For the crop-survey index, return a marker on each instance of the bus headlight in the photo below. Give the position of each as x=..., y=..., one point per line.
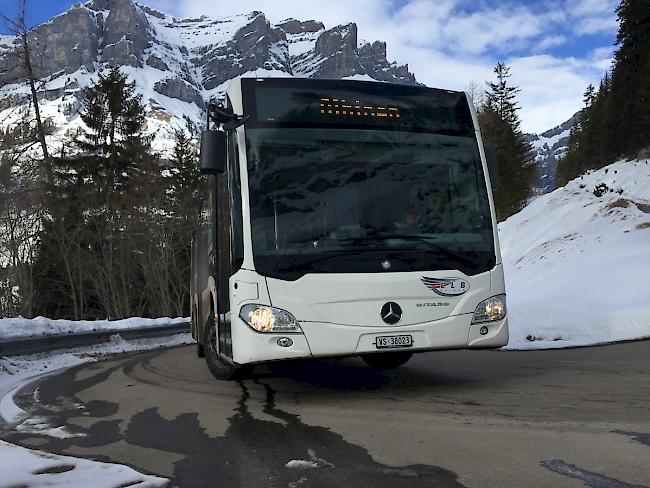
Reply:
x=490, y=310
x=263, y=318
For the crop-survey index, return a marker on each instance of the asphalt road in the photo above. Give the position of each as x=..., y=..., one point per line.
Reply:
x=568, y=418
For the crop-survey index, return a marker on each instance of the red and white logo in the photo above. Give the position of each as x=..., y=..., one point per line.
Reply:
x=446, y=286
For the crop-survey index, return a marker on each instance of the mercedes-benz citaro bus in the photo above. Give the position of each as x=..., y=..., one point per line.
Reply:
x=343, y=218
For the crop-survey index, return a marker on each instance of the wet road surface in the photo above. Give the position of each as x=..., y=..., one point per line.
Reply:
x=568, y=418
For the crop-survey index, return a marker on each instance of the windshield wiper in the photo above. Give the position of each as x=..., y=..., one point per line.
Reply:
x=423, y=238
x=298, y=266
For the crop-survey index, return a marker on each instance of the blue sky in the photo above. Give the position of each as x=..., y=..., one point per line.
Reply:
x=555, y=47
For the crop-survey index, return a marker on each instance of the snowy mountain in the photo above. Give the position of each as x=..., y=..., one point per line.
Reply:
x=549, y=147
x=177, y=65
x=576, y=261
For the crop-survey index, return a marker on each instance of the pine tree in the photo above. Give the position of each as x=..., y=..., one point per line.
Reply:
x=185, y=177
x=501, y=130
x=502, y=97
x=89, y=244
x=589, y=95
x=114, y=143
x=630, y=83
x=616, y=121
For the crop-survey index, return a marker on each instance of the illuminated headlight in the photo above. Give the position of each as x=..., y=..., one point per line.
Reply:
x=263, y=318
x=490, y=310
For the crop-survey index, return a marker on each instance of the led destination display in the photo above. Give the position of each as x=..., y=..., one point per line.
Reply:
x=382, y=106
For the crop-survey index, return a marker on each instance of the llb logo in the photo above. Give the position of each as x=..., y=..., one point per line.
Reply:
x=446, y=286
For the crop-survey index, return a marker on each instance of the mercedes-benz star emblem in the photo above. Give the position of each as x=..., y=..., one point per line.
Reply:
x=386, y=264
x=391, y=313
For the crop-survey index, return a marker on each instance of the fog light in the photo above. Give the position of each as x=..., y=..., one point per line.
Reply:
x=483, y=330
x=285, y=342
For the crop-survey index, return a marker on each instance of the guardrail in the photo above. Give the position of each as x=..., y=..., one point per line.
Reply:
x=32, y=345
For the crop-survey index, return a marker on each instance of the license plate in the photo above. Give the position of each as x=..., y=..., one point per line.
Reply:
x=388, y=342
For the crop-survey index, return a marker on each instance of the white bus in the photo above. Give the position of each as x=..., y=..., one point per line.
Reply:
x=344, y=218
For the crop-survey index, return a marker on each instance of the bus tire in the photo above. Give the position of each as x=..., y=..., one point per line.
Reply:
x=200, y=351
x=387, y=360
x=219, y=368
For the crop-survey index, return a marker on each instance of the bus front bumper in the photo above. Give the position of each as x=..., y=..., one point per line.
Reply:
x=328, y=340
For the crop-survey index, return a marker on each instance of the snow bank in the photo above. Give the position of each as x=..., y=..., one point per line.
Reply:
x=12, y=328
x=576, y=261
x=26, y=467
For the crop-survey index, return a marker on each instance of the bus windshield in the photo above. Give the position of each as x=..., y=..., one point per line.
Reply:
x=326, y=200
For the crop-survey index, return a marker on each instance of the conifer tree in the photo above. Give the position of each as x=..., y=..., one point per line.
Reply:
x=113, y=143
x=501, y=130
x=616, y=121
x=630, y=83
x=186, y=177
x=589, y=96
x=88, y=243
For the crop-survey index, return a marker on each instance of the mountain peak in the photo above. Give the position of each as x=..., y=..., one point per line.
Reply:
x=548, y=148
x=179, y=64
x=294, y=26
x=108, y=4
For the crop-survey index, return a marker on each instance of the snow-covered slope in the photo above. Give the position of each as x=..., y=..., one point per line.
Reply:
x=577, y=261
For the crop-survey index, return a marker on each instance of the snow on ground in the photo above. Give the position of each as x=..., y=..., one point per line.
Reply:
x=13, y=328
x=576, y=263
x=36, y=469
x=17, y=371
x=26, y=467
x=312, y=463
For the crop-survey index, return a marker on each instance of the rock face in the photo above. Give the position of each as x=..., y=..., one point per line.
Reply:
x=126, y=32
x=64, y=44
x=196, y=56
x=293, y=26
x=253, y=46
x=175, y=88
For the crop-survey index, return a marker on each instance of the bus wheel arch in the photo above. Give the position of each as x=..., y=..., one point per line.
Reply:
x=219, y=368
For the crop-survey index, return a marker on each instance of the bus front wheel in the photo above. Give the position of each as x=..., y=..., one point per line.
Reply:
x=218, y=367
x=387, y=360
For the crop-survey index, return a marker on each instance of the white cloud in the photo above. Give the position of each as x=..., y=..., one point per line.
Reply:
x=593, y=16
x=587, y=8
x=551, y=88
x=448, y=44
x=550, y=42
x=595, y=25
x=478, y=32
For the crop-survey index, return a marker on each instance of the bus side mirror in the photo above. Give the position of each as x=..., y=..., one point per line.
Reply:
x=493, y=167
x=212, y=159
